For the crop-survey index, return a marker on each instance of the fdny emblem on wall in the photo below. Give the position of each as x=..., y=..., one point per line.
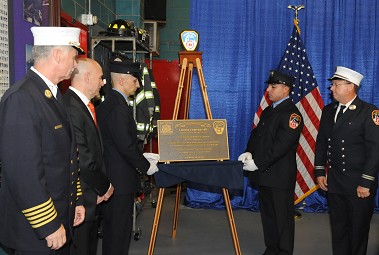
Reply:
x=189, y=39
x=375, y=117
x=294, y=121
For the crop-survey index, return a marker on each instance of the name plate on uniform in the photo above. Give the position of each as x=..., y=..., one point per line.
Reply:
x=193, y=140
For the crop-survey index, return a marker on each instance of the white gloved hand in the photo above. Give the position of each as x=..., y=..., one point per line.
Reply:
x=245, y=156
x=152, y=169
x=250, y=165
x=153, y=158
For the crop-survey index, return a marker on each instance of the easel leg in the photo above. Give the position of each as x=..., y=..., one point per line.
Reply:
x=188, y=91
x=203, y=88
x=180, y=89
x=156, y=221
x=231, y=221
x=176, y=210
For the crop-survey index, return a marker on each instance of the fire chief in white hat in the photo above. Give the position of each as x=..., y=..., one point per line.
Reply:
x=347, y=162
x=40, y=192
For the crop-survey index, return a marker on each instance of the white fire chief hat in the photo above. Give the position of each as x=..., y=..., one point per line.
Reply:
x=347, y=74
x=57, y=36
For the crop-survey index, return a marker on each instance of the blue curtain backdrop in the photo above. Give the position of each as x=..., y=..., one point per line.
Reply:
x=242, y=40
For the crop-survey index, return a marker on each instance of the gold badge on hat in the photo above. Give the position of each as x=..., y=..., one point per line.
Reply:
x=48, y=93
x=375, y=117
x=294, y=121
x=352, y=107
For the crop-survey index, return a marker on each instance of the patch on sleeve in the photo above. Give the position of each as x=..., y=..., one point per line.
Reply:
x=375, y=117
x=294, y=121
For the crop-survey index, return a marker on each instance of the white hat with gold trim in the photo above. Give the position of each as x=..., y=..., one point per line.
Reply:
x=57, y=36
x=347, y=74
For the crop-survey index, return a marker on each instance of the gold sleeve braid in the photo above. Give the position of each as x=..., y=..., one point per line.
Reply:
x=41, y=214
x=78, y=189
x=368, y=177
x=78, y=186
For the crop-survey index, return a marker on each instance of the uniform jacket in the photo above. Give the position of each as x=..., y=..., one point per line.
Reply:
x=350, y=147
x=94, y=182
x=39, y=164
x=123, y=160
x=273, y=145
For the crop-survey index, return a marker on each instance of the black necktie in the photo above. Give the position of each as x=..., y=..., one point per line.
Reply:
x=342, y=107
x=59, y=97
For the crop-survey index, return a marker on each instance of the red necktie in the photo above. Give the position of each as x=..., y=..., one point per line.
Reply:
x=92, y=108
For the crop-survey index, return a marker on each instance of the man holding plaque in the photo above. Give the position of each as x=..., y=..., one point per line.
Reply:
x=124, y=161
x=270, y=158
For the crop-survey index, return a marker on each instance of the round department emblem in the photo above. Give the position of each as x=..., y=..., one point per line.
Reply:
x=352, y=107
x=48, y=93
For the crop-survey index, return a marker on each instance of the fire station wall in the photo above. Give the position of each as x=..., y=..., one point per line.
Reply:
x=166, y=74
x=105, y=11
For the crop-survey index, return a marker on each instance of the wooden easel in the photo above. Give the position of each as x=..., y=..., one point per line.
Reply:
x=189, y=60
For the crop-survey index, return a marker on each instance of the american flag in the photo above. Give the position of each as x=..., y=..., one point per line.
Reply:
x=307, y=98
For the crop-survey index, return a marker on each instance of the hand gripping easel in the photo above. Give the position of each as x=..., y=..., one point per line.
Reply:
x=189, y=60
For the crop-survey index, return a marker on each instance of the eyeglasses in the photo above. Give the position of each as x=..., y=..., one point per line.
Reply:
x=336, y=85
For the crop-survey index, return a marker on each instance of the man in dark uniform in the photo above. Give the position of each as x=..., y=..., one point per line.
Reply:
x=124, y=161
x=348, y=146
x=271, y=157
x=86, y=82
x=40, y=185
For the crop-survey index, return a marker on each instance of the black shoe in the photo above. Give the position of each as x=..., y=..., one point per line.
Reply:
x=297, y=215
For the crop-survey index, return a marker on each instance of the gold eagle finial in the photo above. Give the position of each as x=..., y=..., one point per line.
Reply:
x=296, y=20
x=296, y=9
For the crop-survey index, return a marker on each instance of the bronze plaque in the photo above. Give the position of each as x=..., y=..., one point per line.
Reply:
x=193, y=140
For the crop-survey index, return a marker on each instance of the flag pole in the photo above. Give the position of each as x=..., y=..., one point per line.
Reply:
x=296, y=9
x=296, y=21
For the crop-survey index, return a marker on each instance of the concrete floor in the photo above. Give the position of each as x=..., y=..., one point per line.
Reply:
x=204, y=231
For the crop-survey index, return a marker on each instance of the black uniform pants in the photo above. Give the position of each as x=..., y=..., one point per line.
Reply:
x=350, y=218
x=85, y=239
x=62, y=251
x=277, y=213
x=117, y=224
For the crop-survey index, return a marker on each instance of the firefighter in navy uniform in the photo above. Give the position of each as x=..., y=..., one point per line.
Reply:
x=271, y=157
x=124, y=161
x=40, y=186
x=347, y=162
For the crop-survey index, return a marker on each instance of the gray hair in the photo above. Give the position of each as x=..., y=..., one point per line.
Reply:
x=42, y=52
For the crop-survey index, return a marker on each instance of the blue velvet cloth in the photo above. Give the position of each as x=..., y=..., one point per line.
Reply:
x=225, y=174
